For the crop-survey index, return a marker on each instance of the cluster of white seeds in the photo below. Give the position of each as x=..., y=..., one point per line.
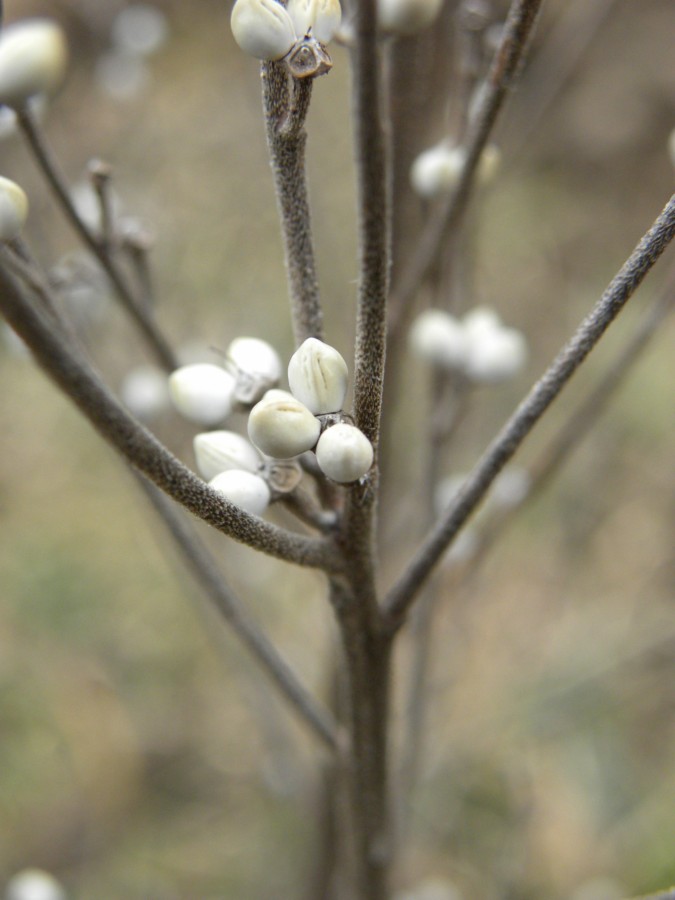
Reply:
x=268, y=30
x=478, y=346
x=437, y=171
x=281, y=425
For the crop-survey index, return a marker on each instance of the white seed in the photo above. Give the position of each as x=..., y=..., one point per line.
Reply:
x=145, y=392
x=496, y=356
x=320, y=17
x=33, y=56
x=13, y=209
x=439, y=339
x=282, y=428
x=436, y=171
x=256, y=367
x=247, y=490
x=406, y=16
x=203, y=393
x=262, y=28
x=218, y=451
x=318, y=375
x=511, y=487
x=344, y=453
x=481, y=320
x=33, y=884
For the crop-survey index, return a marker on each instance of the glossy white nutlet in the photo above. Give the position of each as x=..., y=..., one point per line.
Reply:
x=405, y=17
x=247, y=490
x=496, y=356
x=33, y=884
x=262, y=28
x=320, y=18
x=218, y=451
x=145, y=392
x=13, y=209
x=318, y=376
x=282, y=428
x=438, y=338
x=203, y=393
x=436, y=171
x=344, y=453
x=256, y=367
x=33, y=57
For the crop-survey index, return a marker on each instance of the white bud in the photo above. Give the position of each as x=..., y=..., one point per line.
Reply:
x=407, y=16
x=511, y=487
x=13, y=209
x=344, y=453
x=496, y=356
x=438, y=338
x=481, y=320
x=274, y=395
x=34, y=884
x=436, y=171
x=247, y=490
x=320, y=17
x=33, y=56
x=218, y=451
x=256, y=366
x=282, y=428
x=317, y=375
x=262, y=28
x=145, y=392
x=203, y=393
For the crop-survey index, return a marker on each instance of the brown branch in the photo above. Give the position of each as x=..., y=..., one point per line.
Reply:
x=75, y=376
x=139, y=315
x=285, y=114
x=403, y=594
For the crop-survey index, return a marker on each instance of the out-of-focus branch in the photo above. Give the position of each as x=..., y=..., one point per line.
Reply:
x=206, y=572
x=528, y=413
x=101, y=249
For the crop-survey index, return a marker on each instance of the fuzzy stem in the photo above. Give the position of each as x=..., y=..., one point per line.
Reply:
x=75, y=376
x=144, y=322
x=286, y=138
x=528, y=413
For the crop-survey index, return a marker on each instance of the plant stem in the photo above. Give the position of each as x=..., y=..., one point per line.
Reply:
x=528, y=413
x=206, y=572
x=508, y=56
x=75, y=376
x=285, y=114
x=367, y=657
x=143, y=321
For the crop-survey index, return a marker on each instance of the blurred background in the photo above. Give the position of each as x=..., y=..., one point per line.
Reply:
x=141, y=755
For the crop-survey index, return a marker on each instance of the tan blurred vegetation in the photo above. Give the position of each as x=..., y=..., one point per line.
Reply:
x=140, y=754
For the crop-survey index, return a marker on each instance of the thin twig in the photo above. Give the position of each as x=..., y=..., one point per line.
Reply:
x=206, y=572
x=285, y=114
x=505, y=65
x=528, y=413
x=145, y=323
x=83, y=385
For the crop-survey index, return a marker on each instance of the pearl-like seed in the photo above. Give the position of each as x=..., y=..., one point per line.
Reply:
x=344, y=453
x=247, y=490
x=317, y=375
x=33, y=56
x=262, y=28
x=438, y=338
x=203, y=393
x=282, y=428
x=218, y=451
x=13, y=209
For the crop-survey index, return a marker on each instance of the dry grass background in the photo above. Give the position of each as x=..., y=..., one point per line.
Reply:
x=140, y=755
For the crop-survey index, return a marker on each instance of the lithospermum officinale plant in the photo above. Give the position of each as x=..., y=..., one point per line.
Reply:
x=321, y=467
